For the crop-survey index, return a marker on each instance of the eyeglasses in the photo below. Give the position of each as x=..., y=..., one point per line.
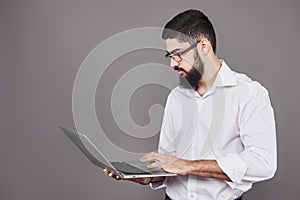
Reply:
x=177, y=56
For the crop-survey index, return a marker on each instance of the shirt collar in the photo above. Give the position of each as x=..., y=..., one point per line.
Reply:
x=225, y=78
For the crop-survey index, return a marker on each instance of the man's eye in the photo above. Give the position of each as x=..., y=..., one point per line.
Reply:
x=168, y=55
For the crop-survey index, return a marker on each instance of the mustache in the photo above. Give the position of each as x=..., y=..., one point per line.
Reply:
x=179, y=69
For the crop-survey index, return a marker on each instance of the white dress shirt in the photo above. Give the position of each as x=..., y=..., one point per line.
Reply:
x=232, y=123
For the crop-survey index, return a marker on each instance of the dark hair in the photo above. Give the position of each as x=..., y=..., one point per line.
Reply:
x=190, y=25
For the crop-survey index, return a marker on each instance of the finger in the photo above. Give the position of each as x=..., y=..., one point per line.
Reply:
x=154, y=164
x=150, y=157
x=143, y=181
x=118, y=178
x=106, y=171
x=111, y=174
x=114, y=176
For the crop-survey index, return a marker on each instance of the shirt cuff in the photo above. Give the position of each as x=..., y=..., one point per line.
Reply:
x=158, y=185
x=233, y=166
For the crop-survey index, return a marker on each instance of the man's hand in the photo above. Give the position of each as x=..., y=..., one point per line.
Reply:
x=167, y=162
x=143, y=181
x=172, y=164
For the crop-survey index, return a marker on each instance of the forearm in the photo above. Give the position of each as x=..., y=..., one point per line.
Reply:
x=207, y=169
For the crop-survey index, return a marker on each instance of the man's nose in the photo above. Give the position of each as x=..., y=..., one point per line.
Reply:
x=173, y=63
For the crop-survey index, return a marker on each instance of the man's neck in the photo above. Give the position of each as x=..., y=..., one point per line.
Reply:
x=211, y=67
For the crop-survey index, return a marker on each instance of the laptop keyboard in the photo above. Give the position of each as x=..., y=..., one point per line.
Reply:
x=127, y=168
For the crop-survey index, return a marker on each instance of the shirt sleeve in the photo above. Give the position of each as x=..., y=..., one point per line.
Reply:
x=258, y=161
x=170, y=125
x=158, y=185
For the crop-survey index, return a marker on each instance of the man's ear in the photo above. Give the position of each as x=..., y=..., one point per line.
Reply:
x=204, y=46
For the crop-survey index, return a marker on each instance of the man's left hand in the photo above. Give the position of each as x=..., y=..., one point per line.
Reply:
x=167, y=162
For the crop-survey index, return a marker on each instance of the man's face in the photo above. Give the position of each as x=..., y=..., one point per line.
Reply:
x=189, y=65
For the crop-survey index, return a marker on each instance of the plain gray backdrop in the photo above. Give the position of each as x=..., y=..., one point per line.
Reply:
x=43, y=44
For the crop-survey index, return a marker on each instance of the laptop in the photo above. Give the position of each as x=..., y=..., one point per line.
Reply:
x=124, y=169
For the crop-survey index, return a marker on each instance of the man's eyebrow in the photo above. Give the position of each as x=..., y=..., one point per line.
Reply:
x=174, y=50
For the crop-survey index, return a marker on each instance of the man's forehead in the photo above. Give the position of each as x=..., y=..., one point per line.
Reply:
x=173, y=44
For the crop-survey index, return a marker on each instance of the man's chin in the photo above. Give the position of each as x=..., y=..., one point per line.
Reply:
x=183, y=82
x=189, y=79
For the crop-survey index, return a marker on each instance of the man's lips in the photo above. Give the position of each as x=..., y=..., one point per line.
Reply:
x=179, y=70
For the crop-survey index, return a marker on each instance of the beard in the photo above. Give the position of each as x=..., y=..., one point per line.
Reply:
x=192, y=77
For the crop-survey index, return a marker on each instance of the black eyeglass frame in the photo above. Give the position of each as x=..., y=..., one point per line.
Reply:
x=174, y=56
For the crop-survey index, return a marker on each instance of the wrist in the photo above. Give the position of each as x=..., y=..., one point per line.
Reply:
x=151, y=179
x=188, y=167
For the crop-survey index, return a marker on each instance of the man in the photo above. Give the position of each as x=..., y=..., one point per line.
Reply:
x=218, y=131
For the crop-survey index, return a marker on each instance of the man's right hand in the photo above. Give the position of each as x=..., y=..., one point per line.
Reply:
x=143, y=181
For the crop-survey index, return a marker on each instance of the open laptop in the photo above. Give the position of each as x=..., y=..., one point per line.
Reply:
x=130, y=169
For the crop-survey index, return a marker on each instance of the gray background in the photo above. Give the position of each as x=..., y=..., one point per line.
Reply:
x=43, y=44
